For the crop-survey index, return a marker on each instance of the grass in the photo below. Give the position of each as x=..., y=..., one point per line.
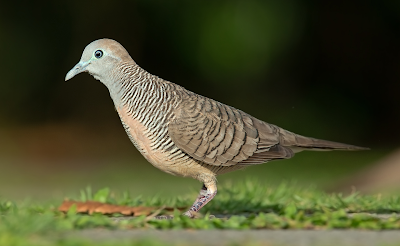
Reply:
x=252, y=204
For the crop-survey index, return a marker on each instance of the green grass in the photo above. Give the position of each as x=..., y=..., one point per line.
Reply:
x=252, y=204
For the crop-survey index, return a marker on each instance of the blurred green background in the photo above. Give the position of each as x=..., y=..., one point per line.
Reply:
x=324, y=69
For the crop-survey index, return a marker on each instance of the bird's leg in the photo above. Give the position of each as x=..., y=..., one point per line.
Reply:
x=206, y=195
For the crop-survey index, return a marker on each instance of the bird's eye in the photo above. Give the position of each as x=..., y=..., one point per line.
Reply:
x=98, y=54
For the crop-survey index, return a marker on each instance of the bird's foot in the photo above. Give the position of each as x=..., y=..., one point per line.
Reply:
x=192, y=216
x=204, y=197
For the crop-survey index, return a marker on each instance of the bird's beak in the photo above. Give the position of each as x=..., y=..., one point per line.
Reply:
x=79, y=68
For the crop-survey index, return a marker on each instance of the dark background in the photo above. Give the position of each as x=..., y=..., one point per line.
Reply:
x=324, y=69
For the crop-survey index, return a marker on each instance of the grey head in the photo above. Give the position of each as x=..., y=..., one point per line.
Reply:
x=100, y=58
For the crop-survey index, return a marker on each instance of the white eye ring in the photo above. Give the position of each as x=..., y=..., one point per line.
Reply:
x=98, y=54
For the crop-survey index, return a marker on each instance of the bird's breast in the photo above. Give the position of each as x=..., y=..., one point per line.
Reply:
x=144, y=141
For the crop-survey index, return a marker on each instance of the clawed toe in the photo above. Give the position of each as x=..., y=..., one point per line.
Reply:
x=190, y=214
x=164, y=217
x=187, y=213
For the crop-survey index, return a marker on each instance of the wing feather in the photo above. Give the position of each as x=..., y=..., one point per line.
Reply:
x=220, y=135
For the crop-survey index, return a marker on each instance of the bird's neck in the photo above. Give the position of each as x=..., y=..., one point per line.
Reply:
x=135, y=89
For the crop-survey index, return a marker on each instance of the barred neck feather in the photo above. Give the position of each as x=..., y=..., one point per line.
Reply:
x=148, y=98
x=134, y=87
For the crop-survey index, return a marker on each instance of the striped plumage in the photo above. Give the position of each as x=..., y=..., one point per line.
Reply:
x=151, y=101
x=183, y=133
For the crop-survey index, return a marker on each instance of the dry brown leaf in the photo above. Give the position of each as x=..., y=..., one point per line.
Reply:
x=91, y=207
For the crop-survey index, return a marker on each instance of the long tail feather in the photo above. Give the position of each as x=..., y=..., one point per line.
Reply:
x=293, y=140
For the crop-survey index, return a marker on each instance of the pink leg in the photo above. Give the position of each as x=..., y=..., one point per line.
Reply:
x=204, y=197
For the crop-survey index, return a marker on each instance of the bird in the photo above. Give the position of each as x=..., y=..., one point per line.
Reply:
x=183, y=133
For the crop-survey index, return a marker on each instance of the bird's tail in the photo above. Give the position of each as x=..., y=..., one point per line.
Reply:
x=297, y=143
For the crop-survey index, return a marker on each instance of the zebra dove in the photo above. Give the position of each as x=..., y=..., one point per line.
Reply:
x=183, y=133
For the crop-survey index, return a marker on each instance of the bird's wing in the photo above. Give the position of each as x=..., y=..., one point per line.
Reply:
x=221, y=135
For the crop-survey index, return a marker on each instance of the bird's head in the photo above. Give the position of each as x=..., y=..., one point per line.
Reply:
x=99, y=58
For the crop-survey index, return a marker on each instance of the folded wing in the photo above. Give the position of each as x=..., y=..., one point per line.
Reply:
x=221, y=135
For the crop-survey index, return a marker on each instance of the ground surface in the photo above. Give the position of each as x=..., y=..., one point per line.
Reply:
x=246, y=214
